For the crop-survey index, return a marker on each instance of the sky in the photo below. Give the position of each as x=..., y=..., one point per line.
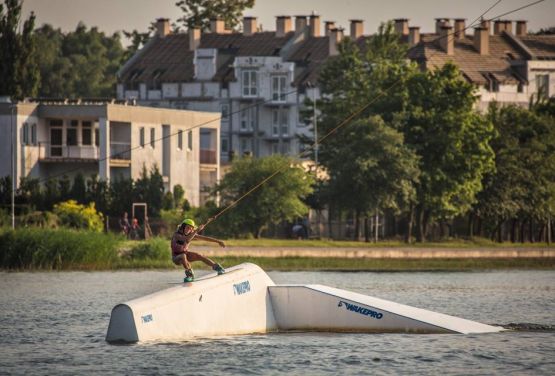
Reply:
x=115, y=15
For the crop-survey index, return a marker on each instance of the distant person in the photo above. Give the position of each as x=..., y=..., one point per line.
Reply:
x=135, y=231
x=124, y=224
x=181, y=255
x=298, y=231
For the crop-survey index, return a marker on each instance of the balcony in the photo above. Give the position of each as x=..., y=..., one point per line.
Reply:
x=67, y=153
x=208, y=156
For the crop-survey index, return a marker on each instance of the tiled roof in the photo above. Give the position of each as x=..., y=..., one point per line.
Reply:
x=309, y=58
x=541, y=46
x=475, y=67
x=170, y=60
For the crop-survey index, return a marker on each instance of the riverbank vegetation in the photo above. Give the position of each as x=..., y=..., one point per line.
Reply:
x=68, y=249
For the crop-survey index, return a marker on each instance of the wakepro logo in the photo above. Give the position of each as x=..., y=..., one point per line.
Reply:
x=146, y=318
x=241, y=288
x=361, y=310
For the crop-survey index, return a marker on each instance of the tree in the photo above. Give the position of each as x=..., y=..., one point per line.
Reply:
x=279, y=199
x=370, y=168
x=521, y=189
x=198, y=13
x=19, y=75
x=451, y=140
x=81, y=63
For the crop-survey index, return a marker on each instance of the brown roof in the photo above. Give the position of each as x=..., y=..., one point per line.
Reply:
x=309, y=58
x=475, y=67
x=170, y=60
x=541, y=46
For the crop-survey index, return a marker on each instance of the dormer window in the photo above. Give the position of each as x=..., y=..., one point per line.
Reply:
x=250, y=83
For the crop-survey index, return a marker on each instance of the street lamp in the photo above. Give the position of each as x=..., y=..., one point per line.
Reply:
x=12, y=107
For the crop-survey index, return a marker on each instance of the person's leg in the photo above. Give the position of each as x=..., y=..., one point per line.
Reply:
x=193, y=256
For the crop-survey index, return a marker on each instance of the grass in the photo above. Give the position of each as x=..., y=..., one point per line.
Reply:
x=344, y=264
x=328, y=243
x=64, y=249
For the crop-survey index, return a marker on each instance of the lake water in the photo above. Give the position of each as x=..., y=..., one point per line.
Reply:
x=55, y=323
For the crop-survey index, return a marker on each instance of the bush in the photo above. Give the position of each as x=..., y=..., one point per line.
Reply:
x=79, y=216
x=34, y=248
x=152, y=249
x=44, y=219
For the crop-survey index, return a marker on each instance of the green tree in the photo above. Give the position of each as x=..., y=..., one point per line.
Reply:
x=81, y=63
x=78, y=189
x=198, y=13
x=19, y=74
x=521, y=189
x=279, y=199
x=451, y=140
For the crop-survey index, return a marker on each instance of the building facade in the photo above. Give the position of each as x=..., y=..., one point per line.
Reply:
x=51, y=139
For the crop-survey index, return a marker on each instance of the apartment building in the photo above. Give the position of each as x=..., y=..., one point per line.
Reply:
x=506, y=66
x=48, y=139
x=257, y=80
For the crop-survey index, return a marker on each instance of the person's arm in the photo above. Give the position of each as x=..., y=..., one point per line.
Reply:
x=209, y=239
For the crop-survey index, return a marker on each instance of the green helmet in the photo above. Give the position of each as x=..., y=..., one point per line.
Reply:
x=189, y=222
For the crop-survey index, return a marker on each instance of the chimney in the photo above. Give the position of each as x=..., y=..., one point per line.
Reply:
x=460, y=26
x=441, y=22
x=300, y=23
x=498, y=27
x=283, y=25
x=485, y=24
x=357, y=28
x=314, y=25
x=509, y=26
x=194, y=38
x=328, y=25
x=481, y=40
x=402, y=26
x=521, y=29
x=249, y=25
x=336, y=36
x=447, y=40
x=162, y=27
x=414, y=35
x=217, y=26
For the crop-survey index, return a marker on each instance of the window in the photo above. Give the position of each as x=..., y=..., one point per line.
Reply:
x=152, y=137
x=278, y=88
x=246, y=145
x=285, y=148
x=284, y=122
x=34, y=134
x=180, y=139
x=224, y=146
x=542, y=85
x=190, y=140
x=275, y=148
x=225, y=111
x=56, y=122
x=250, y=84
x=97, y=137
x=74, y=123
x=25, y=139
x=280, y=122
x=142, y=137
x=86, y=133
x=71, y=137
x=248, y=114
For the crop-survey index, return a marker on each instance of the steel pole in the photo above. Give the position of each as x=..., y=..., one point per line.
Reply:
x=13, y=166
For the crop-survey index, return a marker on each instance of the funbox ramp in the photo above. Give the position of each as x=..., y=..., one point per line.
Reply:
x=245, y=300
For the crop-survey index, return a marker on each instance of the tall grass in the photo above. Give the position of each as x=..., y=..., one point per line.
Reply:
x=34, y=248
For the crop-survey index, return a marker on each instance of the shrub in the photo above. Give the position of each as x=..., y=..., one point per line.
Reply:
x=152, y=249
x=79, y=216
x=34, y=248
x=44, y=219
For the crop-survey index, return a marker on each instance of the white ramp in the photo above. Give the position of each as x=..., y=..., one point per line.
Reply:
x=236, y=302
x=322, y=308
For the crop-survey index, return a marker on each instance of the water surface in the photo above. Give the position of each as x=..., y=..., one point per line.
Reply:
x=55, y=323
